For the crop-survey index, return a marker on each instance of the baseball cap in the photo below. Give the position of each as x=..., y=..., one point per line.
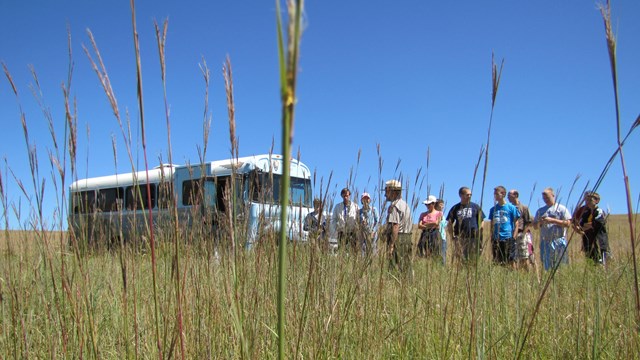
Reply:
x=430, y=200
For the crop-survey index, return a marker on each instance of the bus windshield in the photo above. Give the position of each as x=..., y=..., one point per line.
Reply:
x=265, y=188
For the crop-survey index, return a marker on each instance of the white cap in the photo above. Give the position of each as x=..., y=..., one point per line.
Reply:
x=430, y=200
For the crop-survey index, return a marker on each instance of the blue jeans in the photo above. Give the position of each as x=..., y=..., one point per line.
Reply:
x=551, y=252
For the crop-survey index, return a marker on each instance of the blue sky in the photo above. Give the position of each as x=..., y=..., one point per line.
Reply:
x=407, y=76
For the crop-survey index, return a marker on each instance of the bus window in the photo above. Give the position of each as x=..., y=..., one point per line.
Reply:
x=253, y=185
x=136, y=197
x=191, y=192
x=84, y=202
x=262, y=189
x=210, y=193
x=222, y=193
x=300, y=191
x=265, y=188
x=165, y=195
x=110, y=199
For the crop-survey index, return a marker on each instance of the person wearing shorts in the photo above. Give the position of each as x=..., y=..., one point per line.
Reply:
x=524, y=241
x=503, y=217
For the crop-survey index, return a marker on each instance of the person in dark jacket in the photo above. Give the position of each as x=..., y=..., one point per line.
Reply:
x=593, y=225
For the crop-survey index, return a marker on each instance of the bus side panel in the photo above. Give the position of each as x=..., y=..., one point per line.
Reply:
x=265, y=218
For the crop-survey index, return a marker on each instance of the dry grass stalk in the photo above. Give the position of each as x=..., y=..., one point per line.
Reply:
x=233, y=140
x=605, y=10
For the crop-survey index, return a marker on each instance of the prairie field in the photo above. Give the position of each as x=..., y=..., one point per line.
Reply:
x=188, y=294
x=57, y=302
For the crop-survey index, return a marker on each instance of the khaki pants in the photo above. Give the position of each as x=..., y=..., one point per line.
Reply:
x=400, y=258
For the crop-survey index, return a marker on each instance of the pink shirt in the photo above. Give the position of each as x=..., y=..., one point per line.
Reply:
x=431, y=217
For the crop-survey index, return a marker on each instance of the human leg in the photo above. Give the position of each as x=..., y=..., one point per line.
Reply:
x=545, y=254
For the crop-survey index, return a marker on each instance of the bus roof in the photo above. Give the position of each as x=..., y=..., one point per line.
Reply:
x=265, y=162
x=156, y=175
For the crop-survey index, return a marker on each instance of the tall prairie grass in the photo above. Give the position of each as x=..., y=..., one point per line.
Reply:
x=185, y=291
x=336, y=306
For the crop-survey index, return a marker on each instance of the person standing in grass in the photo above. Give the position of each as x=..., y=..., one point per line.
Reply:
x=552, y=219
x=593, y=226
x=368, y=221
x=504, y=230
x=442, y=229
x=397, y=232
x=523, y=252
x=428, y=222
x=577, y=213
x=315, y=222
x=465, y=226
x=344, y=222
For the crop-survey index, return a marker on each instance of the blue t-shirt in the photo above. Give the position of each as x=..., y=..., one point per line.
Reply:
x=503, y=218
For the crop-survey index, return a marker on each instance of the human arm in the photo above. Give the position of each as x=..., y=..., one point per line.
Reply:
x=450, y=219
x=395, y=230
x=376, y=219
x=493, y=232
x=421, y=223
x=516, y=217
x=333, y=223
x=450, y=231
x=553, y=221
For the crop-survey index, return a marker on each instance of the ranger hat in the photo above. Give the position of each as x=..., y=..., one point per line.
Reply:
x=393, y=185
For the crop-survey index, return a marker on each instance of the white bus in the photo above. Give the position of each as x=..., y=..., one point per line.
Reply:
x=242, y=192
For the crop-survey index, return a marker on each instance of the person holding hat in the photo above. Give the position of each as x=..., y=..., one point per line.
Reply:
x=368, y=221
x=398, y=228
x=428, y=222
x=593, y=226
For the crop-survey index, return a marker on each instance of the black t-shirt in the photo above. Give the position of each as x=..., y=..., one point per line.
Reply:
x=465, y=219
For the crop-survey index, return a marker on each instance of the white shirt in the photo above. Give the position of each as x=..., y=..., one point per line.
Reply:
x=344, y=219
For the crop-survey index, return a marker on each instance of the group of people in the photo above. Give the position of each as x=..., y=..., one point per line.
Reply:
x=511, y=224
x=351, y=225
x=355, y=228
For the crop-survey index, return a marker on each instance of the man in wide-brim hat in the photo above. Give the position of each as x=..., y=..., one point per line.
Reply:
x=398, y=228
